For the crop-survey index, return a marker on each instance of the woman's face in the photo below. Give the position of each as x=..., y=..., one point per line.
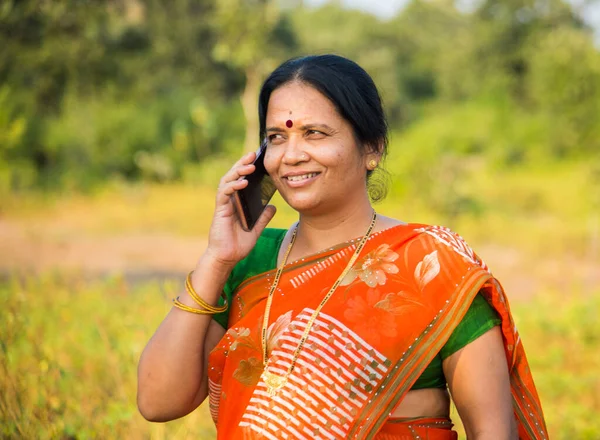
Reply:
x=312, y=154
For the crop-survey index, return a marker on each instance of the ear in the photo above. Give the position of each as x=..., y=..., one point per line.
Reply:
x=373, y=157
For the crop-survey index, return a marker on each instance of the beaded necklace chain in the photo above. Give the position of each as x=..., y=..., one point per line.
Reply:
x=275, y=381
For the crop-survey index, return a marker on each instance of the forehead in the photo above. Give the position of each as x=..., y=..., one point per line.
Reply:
x=299, y=101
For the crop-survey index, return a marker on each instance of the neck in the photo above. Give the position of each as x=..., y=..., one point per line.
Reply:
x=317, y=232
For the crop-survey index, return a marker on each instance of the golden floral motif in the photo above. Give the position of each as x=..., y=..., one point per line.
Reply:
x=396, y=303
x=241, y=337
x=249, y=371
x=372, y=269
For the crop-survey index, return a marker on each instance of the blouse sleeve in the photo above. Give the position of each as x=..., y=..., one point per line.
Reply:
x=262, y=258
x=232, y=282
x=480, y=318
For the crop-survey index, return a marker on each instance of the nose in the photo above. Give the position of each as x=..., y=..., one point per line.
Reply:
x=294, y=152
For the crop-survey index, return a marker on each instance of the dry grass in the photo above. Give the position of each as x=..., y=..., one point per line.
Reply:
x=69, y=354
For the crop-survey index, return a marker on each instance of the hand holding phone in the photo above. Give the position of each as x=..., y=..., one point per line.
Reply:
x=252, y=200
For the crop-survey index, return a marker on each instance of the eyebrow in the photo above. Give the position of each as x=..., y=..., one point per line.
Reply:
x=324, y=127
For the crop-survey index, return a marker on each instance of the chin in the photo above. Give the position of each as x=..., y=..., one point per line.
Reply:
x=303, y=205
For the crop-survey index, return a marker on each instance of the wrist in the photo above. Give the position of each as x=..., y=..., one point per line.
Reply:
x=210, y=275
x=186, y=299
x=213, y=263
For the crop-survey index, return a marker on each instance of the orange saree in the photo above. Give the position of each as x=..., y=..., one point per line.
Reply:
x=392, y=313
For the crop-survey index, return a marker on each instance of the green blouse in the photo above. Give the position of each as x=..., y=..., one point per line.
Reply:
x=480, y=316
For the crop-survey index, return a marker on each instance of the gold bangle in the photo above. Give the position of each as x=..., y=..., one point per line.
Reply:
x=199, y=300
x=203, y=304
x=187, y=308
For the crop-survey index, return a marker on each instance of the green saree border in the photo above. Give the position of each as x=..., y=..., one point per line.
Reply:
x=523, y=418
x=529, y=401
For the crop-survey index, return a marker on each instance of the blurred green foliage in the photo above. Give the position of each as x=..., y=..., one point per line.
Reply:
x=105, y=90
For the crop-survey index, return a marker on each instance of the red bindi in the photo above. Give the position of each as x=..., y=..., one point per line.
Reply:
x=289, y=123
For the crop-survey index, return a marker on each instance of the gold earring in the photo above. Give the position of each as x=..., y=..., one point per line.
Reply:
x=372, y=164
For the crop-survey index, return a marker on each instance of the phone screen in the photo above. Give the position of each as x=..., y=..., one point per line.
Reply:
x=251, y=201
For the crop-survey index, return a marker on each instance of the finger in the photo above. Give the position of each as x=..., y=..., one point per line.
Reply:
x=236, y=172
x=246, y=159
x=226, y=190
x=243, y=166
x=264, y=219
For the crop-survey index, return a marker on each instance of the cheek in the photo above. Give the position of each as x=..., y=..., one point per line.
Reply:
x=348, y=164
x=270, y=161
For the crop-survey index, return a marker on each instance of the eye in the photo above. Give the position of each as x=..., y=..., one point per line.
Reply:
x=275, y=139
x=315, y=134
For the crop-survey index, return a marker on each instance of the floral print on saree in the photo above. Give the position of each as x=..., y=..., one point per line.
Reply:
x=392, y=314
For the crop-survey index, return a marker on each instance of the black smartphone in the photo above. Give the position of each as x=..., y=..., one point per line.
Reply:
x=251, y=201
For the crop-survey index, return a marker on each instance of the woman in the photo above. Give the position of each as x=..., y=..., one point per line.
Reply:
x=349, y=324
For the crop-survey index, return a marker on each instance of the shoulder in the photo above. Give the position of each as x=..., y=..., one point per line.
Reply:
x=272, y=234
x=261, y=258
x=443, y=239
x=270, y=239
x=439, y=233
x=268, y=243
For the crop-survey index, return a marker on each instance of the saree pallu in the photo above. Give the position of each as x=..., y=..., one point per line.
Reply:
x=392, y=313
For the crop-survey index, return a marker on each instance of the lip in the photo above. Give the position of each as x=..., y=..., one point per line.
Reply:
x=300, y=183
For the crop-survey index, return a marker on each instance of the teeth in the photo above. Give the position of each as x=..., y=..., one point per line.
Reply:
x=302, y=177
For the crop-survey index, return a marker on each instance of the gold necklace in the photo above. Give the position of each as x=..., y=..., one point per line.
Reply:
x=274, y=381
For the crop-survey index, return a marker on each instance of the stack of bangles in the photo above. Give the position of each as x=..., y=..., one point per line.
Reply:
x=205, y=308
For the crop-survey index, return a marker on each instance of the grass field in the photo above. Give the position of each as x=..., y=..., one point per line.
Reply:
x=70, y=348
x=69, y=354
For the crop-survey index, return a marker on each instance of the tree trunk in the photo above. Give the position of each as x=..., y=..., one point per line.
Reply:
x=250, y=105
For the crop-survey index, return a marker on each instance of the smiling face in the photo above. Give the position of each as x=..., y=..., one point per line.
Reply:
x=314, y=160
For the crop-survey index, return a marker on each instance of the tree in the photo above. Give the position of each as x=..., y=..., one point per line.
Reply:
x=564, y=85
x=356, y=35
x=252, y=36
x=506, y=28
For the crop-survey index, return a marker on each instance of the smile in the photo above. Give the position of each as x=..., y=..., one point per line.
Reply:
x=301, y=177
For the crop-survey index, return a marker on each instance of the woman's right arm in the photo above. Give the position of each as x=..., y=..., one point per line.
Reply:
x=172, y=372
x=172, y=379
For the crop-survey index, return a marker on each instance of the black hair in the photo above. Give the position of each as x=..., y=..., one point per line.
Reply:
x=352, y=92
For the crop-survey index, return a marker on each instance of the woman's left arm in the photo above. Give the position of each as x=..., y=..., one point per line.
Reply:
x=479, y=383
